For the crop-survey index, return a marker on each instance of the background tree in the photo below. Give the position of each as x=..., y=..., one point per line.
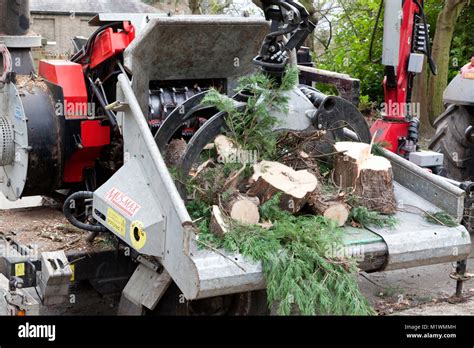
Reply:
x=352, y=24
x=443, y=37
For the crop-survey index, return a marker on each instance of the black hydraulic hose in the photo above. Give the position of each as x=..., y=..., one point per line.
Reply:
x=431, y=62
x=67, y=210
x=100, y=98
x=374, y=31
x=86, y=50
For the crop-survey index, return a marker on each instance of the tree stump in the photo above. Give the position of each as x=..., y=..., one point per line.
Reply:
x=370, y=177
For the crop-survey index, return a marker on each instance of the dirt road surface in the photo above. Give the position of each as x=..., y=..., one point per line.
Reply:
x=426, y=290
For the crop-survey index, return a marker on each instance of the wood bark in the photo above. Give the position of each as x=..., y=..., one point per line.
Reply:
x=218, y=224
x=174, y=151
x=369, y=177
x=330, y=207
x=440, y=51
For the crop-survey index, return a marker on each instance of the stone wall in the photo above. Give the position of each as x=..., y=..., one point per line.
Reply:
x=59, y=30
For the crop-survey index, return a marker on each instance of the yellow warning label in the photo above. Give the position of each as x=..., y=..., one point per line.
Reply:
x=116, y=221
x=137, y=235
x=73, y=268
x=19, y=269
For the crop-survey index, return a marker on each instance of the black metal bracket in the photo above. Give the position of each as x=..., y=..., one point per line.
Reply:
x=347, y=87
x=108, y=270
x=461, y=275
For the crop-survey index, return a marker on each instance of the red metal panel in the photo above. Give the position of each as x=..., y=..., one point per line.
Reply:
x=400, y=92
x=93, y=137
x=70, y=77
x=389, y=132
x=394, y=124
x=108, y=43
x=78, y=162
x=94, y=134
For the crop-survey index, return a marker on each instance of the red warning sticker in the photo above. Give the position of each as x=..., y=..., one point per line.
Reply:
x=123, y=202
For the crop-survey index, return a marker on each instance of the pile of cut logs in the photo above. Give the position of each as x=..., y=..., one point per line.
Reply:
x=358, y=178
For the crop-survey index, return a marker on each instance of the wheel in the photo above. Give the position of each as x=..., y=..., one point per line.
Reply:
x=451, y=141
x=246, y=303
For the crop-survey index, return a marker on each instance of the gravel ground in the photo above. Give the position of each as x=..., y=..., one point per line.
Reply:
x=426, y=290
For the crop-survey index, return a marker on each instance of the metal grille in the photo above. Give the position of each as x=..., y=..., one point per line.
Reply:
x=7, y=146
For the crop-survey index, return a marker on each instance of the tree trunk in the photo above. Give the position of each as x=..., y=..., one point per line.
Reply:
x=441, y=47
x=420, y=96
x=195, y=6
x=332, y=208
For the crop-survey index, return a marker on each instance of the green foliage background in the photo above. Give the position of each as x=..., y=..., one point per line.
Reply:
x=349, y=51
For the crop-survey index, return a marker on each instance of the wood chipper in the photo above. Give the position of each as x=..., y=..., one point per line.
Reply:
x=91, y=132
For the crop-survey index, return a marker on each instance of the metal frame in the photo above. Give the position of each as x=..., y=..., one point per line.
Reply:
x=347, y=87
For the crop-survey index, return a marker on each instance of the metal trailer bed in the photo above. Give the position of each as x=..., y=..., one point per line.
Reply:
x=205, y=273
x=413, y=242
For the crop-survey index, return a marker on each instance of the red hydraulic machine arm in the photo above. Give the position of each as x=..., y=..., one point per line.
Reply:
x=403, y=59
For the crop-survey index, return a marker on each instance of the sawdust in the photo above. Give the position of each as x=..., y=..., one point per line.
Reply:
x=46, y=229
x=29, y=83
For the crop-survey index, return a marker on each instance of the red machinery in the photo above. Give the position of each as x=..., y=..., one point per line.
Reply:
x=86, y=132
x=403, y=59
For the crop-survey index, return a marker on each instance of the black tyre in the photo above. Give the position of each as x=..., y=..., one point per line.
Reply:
x=450, y=140
x=253, y=303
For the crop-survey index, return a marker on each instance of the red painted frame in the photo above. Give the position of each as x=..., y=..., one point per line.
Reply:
x=109, y=43
x=70, y=77
x=394, y=123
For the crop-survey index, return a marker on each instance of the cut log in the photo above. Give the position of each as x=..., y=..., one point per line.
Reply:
x=245, y=212
x=226, y=149
x=369, y=177
x=271, y=178
x=218, y=225
x=243, y=209
x=331, y=209
x=347, y=163
x=174, y=151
